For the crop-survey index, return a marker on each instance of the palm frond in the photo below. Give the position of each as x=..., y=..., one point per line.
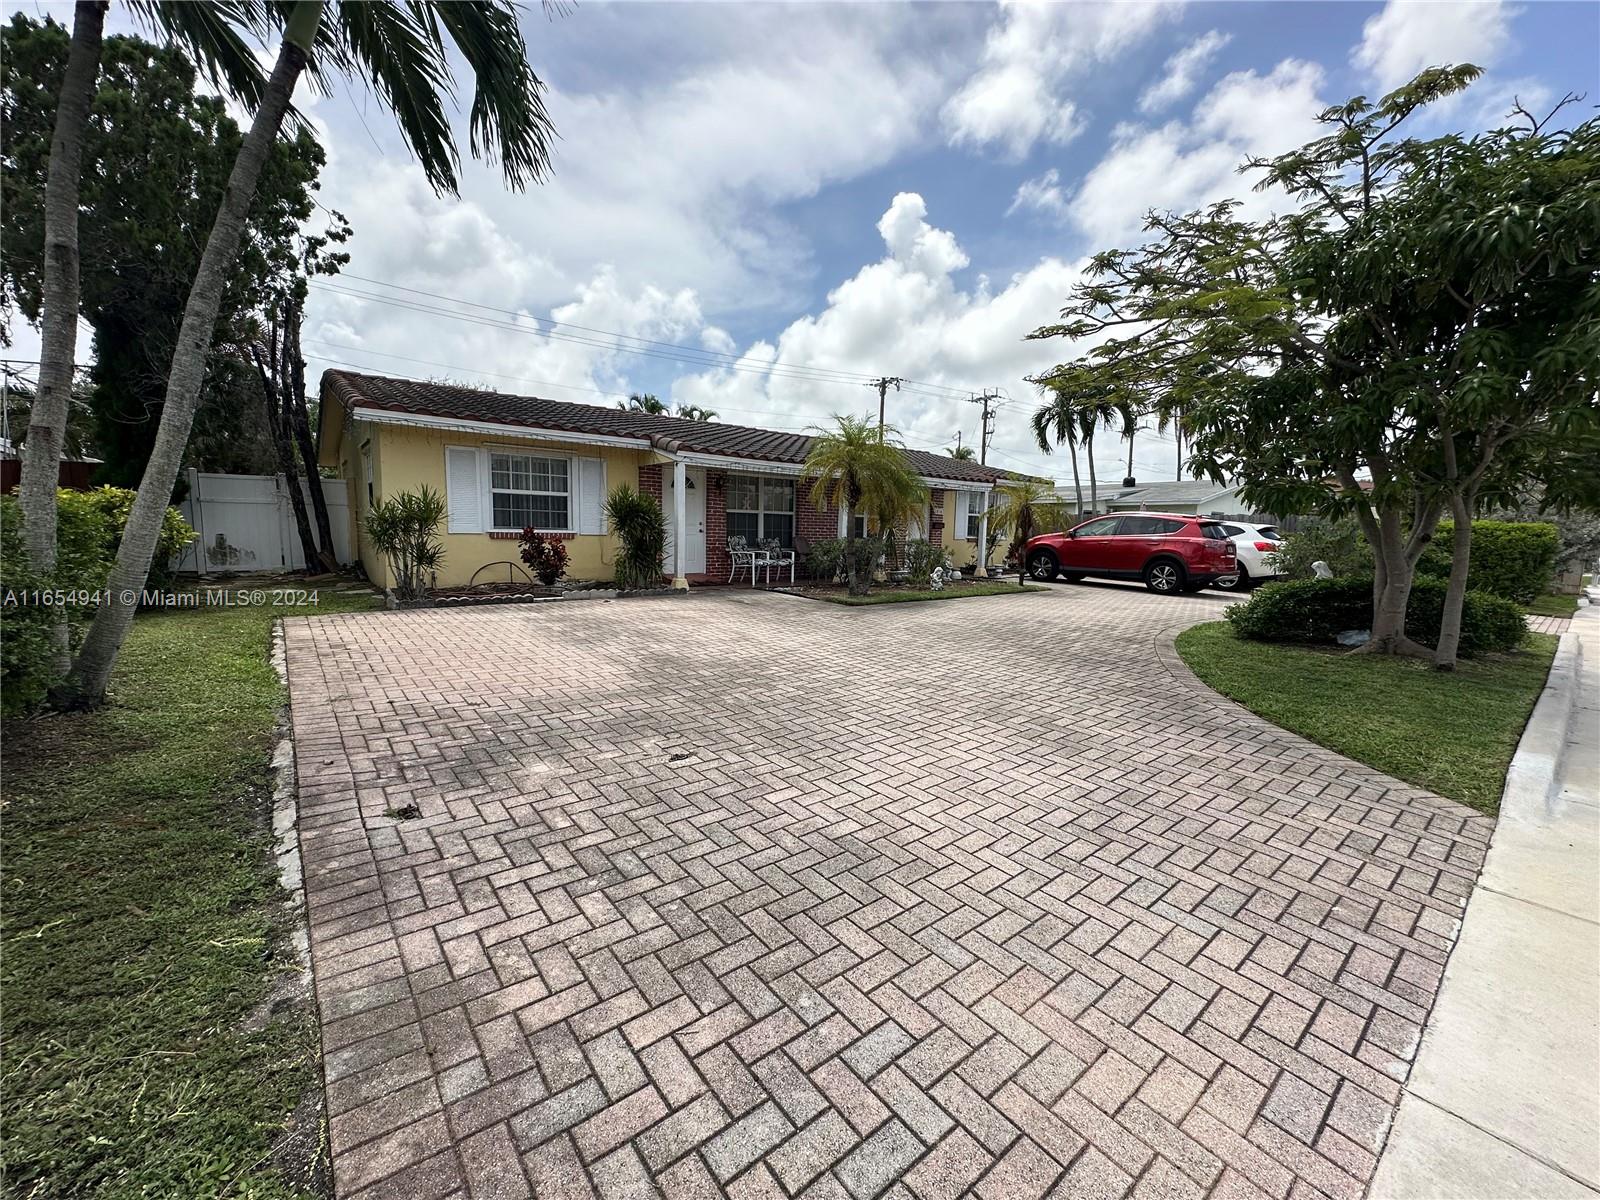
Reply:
x=399, y=51
x=210, y=35
x=509, y=123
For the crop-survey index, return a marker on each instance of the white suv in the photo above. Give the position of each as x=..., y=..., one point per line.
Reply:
x=1254, y=545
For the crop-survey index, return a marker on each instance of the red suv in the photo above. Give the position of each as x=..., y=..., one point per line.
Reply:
x=1170, y=552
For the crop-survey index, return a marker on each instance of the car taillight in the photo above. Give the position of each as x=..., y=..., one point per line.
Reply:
x=1267, y=547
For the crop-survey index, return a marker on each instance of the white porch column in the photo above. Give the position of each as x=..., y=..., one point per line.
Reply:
x=680, y=522
x=983, y=539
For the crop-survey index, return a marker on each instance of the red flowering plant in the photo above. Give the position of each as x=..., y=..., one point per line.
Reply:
x=546, y=556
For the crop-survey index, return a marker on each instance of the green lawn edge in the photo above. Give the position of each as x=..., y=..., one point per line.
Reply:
x=1550, y=605
x=143, y=922
x=1453, y=733
x=964, y=591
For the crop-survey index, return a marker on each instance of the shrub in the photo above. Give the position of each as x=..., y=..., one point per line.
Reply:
x=89, y=529
x=100, y=515
x=1318, y=610
x=402, y=528
x=922, y=560
x=825, y=559
x=27, y=653
x=1337, y=543
x=1514, y=559
x=546, y=556
x=637, y=520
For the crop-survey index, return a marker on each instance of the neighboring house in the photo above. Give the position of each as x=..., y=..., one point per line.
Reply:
x=1201, y=498
x=504, y=462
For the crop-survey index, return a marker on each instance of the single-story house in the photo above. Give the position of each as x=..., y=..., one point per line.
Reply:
x=504, y=462
x=1199, y=497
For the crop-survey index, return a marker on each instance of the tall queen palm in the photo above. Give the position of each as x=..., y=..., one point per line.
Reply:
x=207, y=32
x=859, y=469
x=400, y=49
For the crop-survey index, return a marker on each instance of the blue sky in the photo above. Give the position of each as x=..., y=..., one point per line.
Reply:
x=885, y=188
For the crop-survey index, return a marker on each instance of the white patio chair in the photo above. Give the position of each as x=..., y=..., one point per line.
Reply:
x=778, y=557
x=740, y=553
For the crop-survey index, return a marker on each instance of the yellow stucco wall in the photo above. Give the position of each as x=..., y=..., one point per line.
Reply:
x=405, y=458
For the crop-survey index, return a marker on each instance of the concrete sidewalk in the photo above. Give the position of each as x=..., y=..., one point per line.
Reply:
x=1504, y=1099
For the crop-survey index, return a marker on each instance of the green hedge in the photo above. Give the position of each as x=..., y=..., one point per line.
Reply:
x=89, y=529
x=1514, y=559
x=1318, y=610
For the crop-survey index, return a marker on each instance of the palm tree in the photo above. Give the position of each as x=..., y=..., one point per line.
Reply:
x=1021, y=511
x=1129, y=416
x=1057, y=419
x=1172, y=417
x=404, y=52
x=207, y=33
x=1090, y=418
x=643, y=402
x=852, y=470
x=961, y=453
x=693, y=412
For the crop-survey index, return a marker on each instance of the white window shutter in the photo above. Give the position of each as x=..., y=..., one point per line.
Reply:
x=591, y=507
x=963, y=501
x=463, y=496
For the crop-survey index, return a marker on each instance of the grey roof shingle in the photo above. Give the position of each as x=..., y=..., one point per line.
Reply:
x=353, y=389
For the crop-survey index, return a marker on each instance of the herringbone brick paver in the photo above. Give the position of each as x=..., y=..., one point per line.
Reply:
x=747, y=895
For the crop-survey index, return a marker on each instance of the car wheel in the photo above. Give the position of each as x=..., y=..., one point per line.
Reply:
x=1241, y=582
x=1042, y=565
x=1164, y=576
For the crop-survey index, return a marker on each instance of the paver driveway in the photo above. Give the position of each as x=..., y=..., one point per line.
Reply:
x=751, y=895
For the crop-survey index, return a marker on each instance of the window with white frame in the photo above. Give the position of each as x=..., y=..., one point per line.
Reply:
x=975, y=503
x=528, y=489
x=761, y=508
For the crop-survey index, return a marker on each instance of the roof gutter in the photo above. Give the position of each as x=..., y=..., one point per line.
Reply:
x=384, y=416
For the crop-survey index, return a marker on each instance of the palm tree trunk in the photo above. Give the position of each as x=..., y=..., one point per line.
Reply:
x=1094, y=487
x=92, y=670
x=1077, y=484
x=1131, y=432
x=58, y=332
x=271, y=369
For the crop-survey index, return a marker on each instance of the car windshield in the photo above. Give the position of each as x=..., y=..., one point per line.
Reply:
x=1270, y=533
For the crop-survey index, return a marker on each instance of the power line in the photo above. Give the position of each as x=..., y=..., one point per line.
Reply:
x=695, y=354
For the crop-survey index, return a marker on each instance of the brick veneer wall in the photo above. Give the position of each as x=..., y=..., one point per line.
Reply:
x=811, y=526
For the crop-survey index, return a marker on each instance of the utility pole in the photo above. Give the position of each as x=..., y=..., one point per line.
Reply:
x=987, y=400
x=883, y=383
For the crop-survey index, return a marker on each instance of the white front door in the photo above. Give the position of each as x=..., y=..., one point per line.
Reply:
x=694, y=551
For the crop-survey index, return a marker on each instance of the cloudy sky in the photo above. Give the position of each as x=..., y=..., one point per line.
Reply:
x=756, y=206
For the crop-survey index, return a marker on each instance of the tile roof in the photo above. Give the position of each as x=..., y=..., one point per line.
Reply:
x=353, y=389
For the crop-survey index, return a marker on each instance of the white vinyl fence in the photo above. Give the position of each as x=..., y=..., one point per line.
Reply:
x=246, y=523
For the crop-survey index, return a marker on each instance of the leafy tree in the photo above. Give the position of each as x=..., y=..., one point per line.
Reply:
x=693, y=412
x=961, y=453
x=1420, y=327
x=157, y=155
x=859, y=469
x=404, y=52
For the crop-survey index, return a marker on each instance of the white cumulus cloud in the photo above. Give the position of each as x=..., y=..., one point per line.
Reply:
x=1031, y=55
x=1042, y=194
x=1181, y=74
x=1408, y=36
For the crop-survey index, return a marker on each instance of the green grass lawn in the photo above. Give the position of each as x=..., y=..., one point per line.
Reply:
x=886, y=595
x=141, y=924
x=1452, y=733
x=1553, y=606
